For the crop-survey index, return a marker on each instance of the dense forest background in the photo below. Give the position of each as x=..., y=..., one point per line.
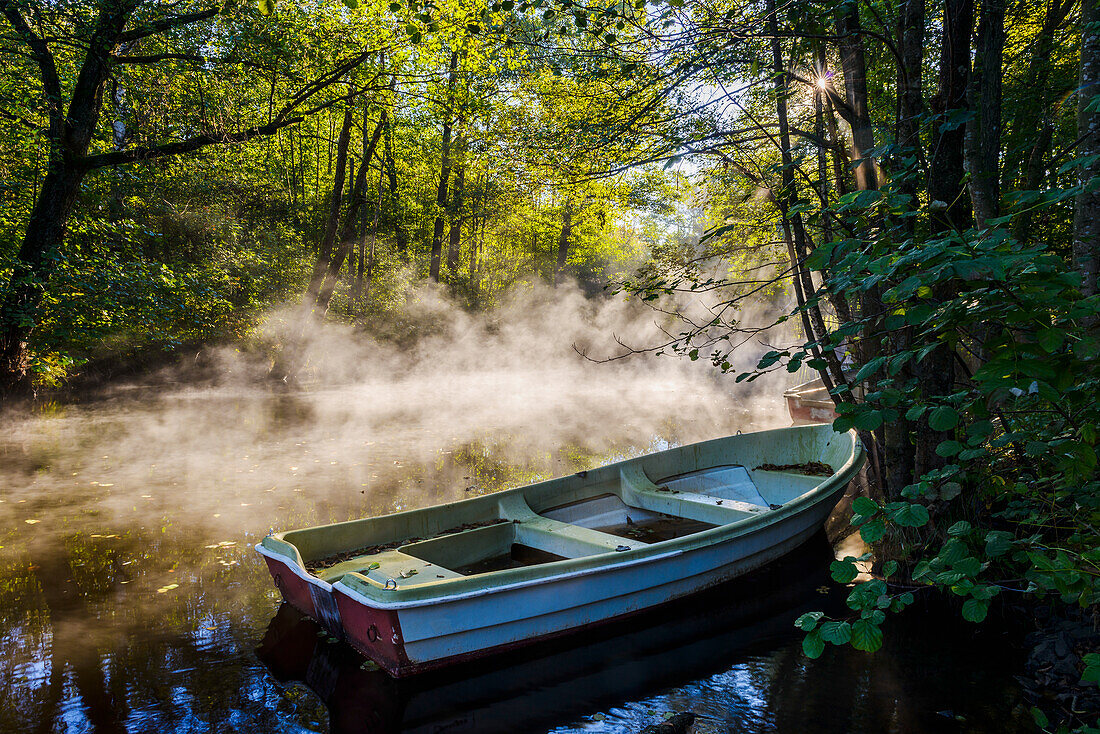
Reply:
x=919, y=176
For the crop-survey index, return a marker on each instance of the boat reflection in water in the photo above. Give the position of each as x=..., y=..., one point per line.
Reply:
x=550, y=683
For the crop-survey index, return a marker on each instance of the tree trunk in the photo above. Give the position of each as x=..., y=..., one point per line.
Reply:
x=947, y=167
x=1086, y=213
x=793, y=226
x=854, y=64
x=563, y=242
x=391, y=173
x=346, y=237
x=951, y=205
x=910, y=98
x=328, y=241
x=983, y=130
x=444, y=174
x=1025, y=168
x=368, y=154
x=455, y=234
x=34, y=263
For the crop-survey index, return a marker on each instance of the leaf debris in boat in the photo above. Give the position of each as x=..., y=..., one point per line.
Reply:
x=810, y=468
x=329, y=561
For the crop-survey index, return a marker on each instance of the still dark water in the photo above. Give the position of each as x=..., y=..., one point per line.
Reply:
x=131, y=599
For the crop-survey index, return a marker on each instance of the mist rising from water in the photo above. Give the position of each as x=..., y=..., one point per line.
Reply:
x=451, y=405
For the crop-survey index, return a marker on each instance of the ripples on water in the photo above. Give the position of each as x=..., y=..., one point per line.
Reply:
x=131, y=600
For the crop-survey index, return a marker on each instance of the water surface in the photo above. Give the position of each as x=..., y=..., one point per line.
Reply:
x=131, y=599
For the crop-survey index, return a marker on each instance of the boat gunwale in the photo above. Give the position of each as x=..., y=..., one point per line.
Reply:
x=370, y=591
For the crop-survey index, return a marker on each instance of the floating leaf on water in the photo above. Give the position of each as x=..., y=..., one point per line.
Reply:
x=210, y=628
x=32, y=522
x=169, y=587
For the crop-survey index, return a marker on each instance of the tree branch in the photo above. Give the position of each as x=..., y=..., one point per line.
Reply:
x=154, y=58
x=166, y=24
x=51, y=82
x=21, y=120
x=179, y=147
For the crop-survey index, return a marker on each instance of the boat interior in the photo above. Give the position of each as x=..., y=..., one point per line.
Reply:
x=616, y=508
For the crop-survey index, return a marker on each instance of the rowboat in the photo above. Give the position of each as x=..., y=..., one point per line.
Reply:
x=810, y=403
x=541, y=686
x=426, y=588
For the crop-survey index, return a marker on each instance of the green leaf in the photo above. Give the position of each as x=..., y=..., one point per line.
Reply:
x=838, y=633
x=869, y=420
x=813, y=645
x=948, y=448
x=866, y=636
x=844, y=572
x=953, y=551
x=873, y=531
x=889, y=568
x=808, y=621
x=1039, y=717
x=943, y=418
x=1087, y=348
x=915, y=412
x=974, y=610
x=1092, y=668
x=970, y=566
x=869, y=369
x=984, y=592
x=865, y=506
x=962, y=527
x=352, y=4
x=950, y=490
x=267, y=7
x=911, y=516
x=997, y=543
x=1050, y=339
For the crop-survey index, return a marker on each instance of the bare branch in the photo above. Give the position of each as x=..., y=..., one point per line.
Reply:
x=179, y=147
x=165, y=24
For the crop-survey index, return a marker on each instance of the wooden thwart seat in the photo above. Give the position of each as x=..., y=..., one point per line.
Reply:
x=638, y=490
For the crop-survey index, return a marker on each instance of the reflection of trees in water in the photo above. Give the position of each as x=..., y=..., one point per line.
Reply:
x=79, y=648
x=114, y=661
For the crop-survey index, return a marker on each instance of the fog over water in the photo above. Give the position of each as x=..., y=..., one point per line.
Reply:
x=131, y=598
x=235, y=447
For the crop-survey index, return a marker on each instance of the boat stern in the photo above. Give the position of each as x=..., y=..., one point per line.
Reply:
x=303, y=591
x=373, y=631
